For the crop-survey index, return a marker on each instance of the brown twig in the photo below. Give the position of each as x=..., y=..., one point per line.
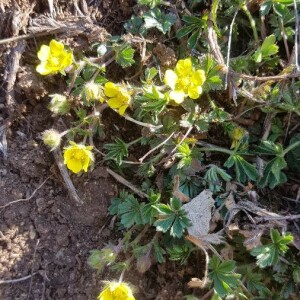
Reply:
x=67, y=180
x=127, y=183
x=156, y=147
x=25, y=199
x=18, y=279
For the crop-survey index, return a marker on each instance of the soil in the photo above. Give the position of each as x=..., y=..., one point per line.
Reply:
x=45, y=238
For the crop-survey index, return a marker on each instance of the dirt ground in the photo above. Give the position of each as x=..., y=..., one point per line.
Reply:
x=45, y=238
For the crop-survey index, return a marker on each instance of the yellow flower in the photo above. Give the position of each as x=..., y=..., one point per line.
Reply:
x=116, y=291
x=120, y=98
x=78, y=157
x=184, y=81
x=237, y=135
x=54, y=58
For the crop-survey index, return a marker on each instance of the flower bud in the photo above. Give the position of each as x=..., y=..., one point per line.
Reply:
x=91, y=91
x=59, y=104
x=51, y=138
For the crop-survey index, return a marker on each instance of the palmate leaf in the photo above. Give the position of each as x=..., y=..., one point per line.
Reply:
x=193, y=27
x=268, y=255
x=154, y=18
x=213, y=177
x=243, y=169
x=222, y=276
x=149, y=211
x=116, y=151
x=171, y=218
x=158, y=252
x=124, y=56
x=131, y=212
x=213, y=80
x=269, y=148
x=267, y=49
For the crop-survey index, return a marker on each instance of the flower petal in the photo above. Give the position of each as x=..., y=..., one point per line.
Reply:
x=194, y=91
x=74, y=165
x=114, y=102
x=56, y=47
x=177, y=96
x=41, y=68
x=44, y=53
x=170, y=79
x=184, y=67
x=110, y=89
x=198, y=77
x=122, y=109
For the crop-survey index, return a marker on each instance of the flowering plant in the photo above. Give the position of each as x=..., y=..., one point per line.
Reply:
x=78, y=157
x=54, y=58
x=120, y=98
x=184, y=81
x=116, y=291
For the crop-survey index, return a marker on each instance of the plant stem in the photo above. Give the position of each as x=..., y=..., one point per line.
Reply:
x=252, y=22
x=290, y=147
x=217, y=149
x=134, y=141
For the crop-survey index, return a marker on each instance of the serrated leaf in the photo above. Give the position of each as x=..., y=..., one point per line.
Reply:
x=124, y=56
x=116, y=151
x=171, y=218
x=268, y=255
x=131, y=212
x=243, y=169
x=182, y=32
x=154, y=18
x=193, y=39
x=223, y=277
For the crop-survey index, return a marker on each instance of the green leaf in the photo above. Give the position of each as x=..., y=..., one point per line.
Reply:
x=268, y=255
x=171, y=218
x=213, y=177
x=273, y=175
x=269, y=148
x=192, y=20
x=222, y=276
x=185, y=30
x=116, y=151
x=159, y=252
x=243, y=169
x=180, y=253
x=131, y=212
x=154, y=18
x=268, y=46
x=135, y=26
x=265, y=8
x=267, y=49
x=124, y=56
x=293, y=156
x=149, y=211
x=193, y=39
x=150, y=3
